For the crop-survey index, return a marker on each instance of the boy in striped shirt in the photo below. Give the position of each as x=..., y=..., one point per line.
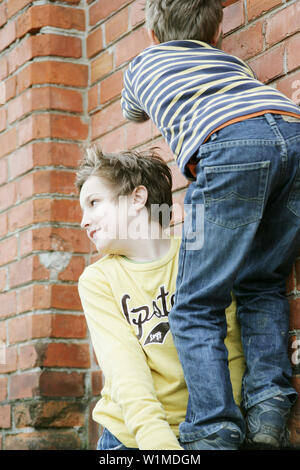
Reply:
x=238, y=141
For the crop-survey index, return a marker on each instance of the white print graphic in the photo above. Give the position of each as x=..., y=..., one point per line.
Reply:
x=142, y=314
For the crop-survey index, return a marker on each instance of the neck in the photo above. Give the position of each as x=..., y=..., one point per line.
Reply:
x=155, y=246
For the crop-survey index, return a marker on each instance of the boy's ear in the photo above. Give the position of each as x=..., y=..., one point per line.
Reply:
x=217, y=39
x=139, y=197
x=152, y=37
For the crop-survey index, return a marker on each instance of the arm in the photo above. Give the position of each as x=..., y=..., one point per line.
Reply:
x=130, y=107
x=121, y=357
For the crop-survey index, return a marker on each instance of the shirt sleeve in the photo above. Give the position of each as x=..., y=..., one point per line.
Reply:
x=130, y=106
x=123, y=360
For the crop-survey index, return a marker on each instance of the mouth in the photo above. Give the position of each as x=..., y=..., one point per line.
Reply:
x=92, y=233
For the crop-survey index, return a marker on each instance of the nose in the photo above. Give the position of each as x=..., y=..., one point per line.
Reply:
x=84, y=222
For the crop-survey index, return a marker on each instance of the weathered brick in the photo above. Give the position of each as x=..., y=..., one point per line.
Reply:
x=94, y=43
x=270, y=64
x=5, y=416
x=101, y=66
x=51, y=413
x=43, y=440
x=111, y=87
x=116, y=26
x=257, y=8
x=39, y=16
x=294, y=314
x=24, y=385
x=283, y=24
x=67, y=355
x=234, y=17
x=131, y=45
x=245, y=43
x=62, y=384
x=102, y=9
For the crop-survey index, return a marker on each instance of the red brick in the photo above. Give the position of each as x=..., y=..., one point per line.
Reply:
x=3, y=167
x=53, y=238
x=44, y=440
x=39, y=16
x=3, y=388
x=246, y=43
x=68, y=127
x=10, y=88
x=290, y=86
x=34, y=297
x=67, y=355
x=68, y=326
x=111, y=87
x=25, y=385
x=7, y=35
x=66, y=297
x=270, y=64
x=94, y=43
x=5, y=416
x=64, y=210
x=48, y=414
x=29, y=356
x=13, y=6
x=44, y=154
x=101, y=66
x=295, y=314
x=73, y=270
x=3, y=68
x=131, y=45
x=3, y=115
x=8, y=250
x=257, y=8
x=179, y=181
x=8, y=304
x=52, y=72
x=107, y=119
x=3, y=224
x=137, y=13
x=116, y=26
x=102, y=9
x=114, y=141
x=10, y=364
x=93, y=97
x=3, y=13
x=45, y=98
x=8, y=142
x=3, y=280
x=62, y=384
x=26, y=270
x=138, y=133
x=234, y=17
x=19, y=329
x=283, y=24
x=293, y=53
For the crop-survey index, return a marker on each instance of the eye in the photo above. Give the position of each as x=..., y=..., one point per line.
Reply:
x=93, y=202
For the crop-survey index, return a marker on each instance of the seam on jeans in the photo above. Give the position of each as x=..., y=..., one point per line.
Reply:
x=207, y=148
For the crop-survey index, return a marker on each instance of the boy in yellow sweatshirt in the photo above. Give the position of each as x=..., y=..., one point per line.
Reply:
x=127, y=295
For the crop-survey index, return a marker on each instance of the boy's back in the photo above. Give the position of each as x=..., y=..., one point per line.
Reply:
x=191, y=89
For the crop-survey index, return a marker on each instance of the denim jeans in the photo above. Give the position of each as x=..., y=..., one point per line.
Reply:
x=108, y=441
x=248, y=180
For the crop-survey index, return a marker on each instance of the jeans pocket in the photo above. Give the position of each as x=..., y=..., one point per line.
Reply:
x=294, y=197
x=235, y=194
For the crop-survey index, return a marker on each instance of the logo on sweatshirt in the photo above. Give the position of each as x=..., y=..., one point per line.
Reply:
x=138, y=316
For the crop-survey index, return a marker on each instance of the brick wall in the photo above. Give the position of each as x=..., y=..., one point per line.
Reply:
x=61, y=69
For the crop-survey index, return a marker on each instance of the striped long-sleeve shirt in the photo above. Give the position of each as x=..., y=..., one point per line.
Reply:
x=191, y=89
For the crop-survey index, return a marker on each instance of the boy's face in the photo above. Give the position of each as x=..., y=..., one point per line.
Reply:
x=103, y=215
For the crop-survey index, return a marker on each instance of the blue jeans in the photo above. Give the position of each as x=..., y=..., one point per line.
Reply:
x=108, y=441
x=248, y=180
